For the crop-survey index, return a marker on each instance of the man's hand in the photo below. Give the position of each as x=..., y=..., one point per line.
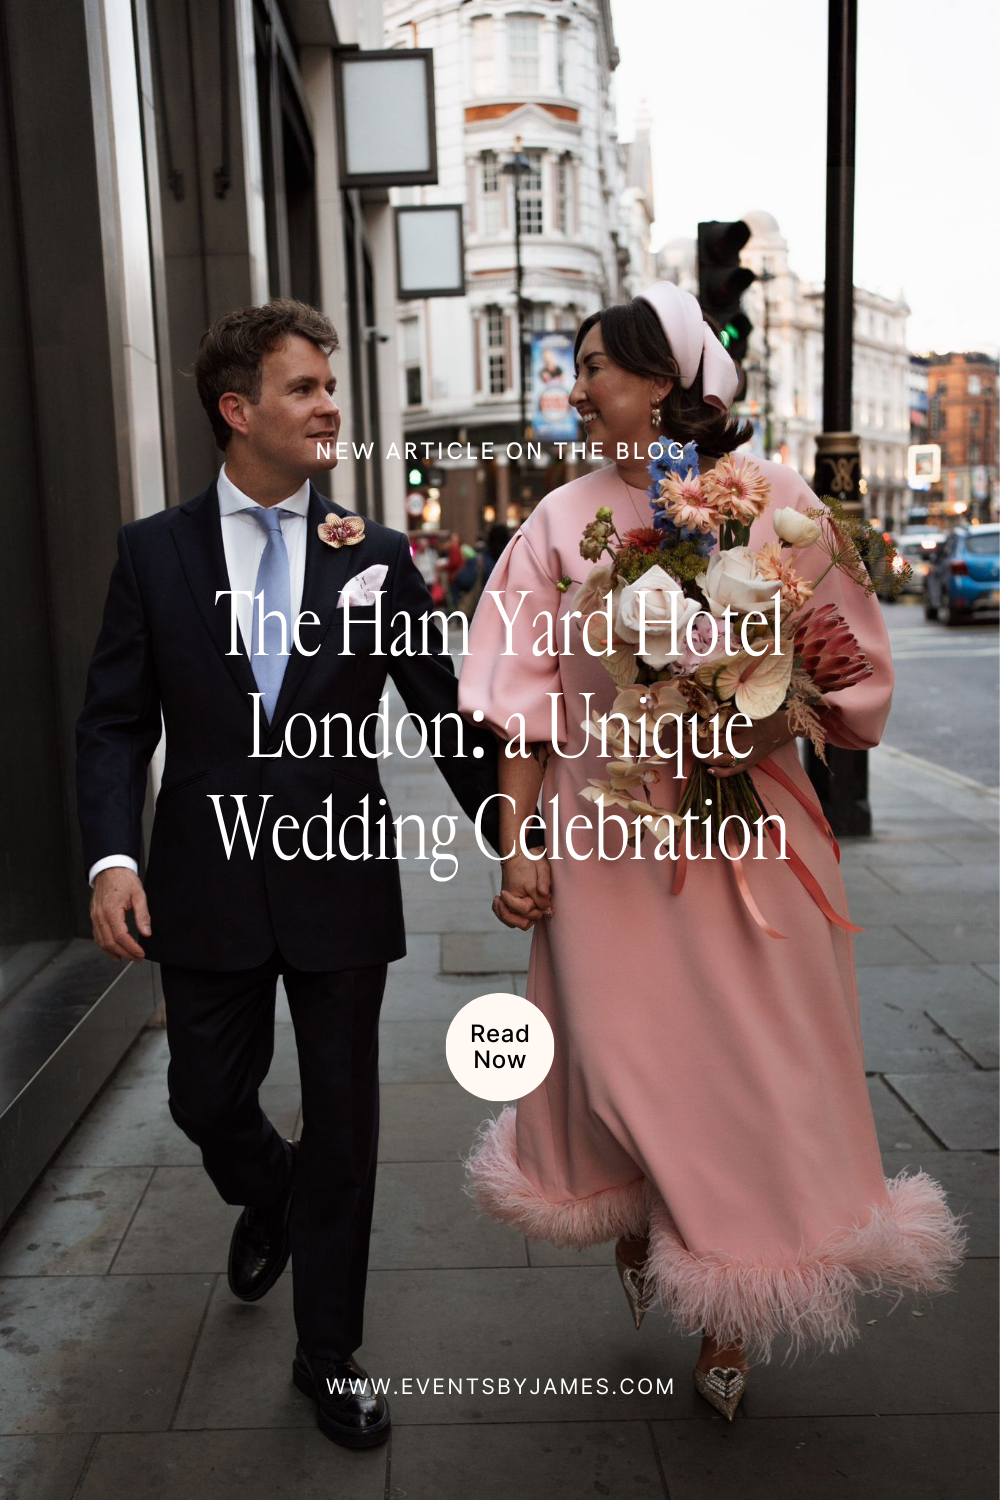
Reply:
x=116, y=891
x=526, y=896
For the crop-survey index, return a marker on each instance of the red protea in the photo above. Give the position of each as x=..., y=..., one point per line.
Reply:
x=646, y=538
x=829, y=651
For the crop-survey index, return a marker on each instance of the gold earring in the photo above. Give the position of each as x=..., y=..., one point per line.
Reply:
x=655, y=417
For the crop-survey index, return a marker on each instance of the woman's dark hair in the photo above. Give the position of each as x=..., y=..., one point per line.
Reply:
x=634, y=338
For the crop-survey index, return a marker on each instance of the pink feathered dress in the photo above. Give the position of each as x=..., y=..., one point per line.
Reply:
x=708, y=1085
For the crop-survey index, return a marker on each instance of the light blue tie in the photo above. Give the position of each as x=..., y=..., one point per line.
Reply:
x=272, y=598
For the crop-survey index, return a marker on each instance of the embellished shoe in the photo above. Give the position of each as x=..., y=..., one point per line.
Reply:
x=722, y=1386
x=639, y=1294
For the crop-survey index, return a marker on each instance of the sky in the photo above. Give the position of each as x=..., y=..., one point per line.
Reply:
x=737, y=93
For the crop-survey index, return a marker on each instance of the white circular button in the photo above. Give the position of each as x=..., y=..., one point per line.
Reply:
x=500, y=1046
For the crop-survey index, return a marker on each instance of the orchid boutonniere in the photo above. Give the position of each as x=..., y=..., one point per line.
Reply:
x=342, y=531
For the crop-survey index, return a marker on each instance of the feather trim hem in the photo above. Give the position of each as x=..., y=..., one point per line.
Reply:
x=499, y=1188
x=911, y=1244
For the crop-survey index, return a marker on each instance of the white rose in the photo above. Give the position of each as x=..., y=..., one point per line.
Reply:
x=666, y=612
x=731, y=578
x=793, y=527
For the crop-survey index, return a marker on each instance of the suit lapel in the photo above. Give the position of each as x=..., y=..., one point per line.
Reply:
x=198, y=539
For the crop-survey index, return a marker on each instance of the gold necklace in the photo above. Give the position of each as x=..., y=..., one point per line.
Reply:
x=644, y=520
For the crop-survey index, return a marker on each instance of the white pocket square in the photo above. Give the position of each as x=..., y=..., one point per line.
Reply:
x=362, y=588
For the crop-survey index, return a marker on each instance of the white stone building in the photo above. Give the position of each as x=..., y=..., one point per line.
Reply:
x=537, y=74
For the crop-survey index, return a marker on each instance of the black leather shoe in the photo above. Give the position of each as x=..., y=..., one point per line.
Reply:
x=352, y=1413
x=259, y=1249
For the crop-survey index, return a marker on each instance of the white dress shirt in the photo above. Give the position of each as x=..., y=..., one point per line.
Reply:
x=244, y=540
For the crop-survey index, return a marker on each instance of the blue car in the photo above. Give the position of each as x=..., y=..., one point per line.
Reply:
x=964, y=576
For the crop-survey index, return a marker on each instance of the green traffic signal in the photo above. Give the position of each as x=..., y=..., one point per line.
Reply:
x=722, y=280
x=416, y=477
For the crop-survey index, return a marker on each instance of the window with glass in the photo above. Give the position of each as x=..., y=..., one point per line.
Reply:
x=483, y=68
x=496, y=351
x=975, y=385
x=536, y=317
x=523, y=39
x=530, y=195
x=489, y=184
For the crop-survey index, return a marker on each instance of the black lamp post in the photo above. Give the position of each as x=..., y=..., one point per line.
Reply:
x=842, y=784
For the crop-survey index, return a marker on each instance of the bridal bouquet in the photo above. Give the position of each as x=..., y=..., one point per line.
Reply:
x=695, y=626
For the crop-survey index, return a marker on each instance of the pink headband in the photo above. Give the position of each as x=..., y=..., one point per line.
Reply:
x=693, y=343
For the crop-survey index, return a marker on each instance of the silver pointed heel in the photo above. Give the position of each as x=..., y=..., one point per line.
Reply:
x=639, y=1294
x=722, y=1387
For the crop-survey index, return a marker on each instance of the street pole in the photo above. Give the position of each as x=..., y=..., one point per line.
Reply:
x=519, y=272
x=842, y=785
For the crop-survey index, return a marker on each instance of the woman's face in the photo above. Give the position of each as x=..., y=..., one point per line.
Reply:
x=614, y=404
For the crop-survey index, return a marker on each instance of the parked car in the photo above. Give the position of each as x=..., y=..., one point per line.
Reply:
x=917, y=551
x=964, y=576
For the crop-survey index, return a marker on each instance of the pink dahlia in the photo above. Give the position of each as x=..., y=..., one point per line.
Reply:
x=737, y=494
x=686, y=503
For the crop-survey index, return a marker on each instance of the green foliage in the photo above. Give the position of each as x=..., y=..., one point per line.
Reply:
x=683, y=561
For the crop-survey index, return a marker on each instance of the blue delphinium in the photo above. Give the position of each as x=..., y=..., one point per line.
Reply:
x=686, y=467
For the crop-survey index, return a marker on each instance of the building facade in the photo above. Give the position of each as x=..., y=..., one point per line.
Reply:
x=963, y=420
x=510, y=76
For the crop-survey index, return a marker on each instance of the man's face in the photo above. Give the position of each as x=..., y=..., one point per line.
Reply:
x=296, y=416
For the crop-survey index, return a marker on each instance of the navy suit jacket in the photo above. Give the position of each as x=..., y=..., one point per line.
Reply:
x=162, y=649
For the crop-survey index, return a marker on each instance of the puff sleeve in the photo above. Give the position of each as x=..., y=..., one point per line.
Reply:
x=856, y=715
x=510, y=672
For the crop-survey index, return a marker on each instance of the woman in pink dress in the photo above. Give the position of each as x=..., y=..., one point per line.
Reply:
x=707, y=1102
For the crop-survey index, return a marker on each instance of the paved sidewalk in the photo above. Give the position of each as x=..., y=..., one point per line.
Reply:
x=126, y=1364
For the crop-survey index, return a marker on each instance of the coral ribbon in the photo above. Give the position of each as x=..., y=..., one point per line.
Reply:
x=748, y=901
x=772, y=769
x=798, y=867
x=812, y=885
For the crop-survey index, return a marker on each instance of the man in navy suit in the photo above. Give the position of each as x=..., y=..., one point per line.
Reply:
x=200, y=638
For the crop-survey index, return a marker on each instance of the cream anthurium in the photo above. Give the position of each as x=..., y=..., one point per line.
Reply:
x=757, y=683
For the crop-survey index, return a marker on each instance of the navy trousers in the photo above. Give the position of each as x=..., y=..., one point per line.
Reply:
x=220, y=1031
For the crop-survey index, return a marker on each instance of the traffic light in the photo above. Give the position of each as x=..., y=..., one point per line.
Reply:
x=722, y=280
x=416, y=475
